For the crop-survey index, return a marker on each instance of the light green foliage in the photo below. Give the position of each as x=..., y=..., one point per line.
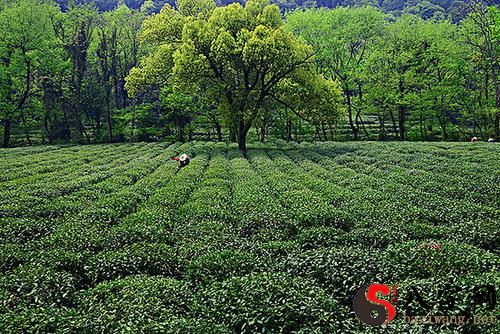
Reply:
x=178, y=109
x=153, y=71
x=251, y=70
x=479, y=35
x=343, y=39
x=414, y=73
x=27, y=49
x=242, y=53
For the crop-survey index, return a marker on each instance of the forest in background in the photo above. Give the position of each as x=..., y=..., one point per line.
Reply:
x=121, y=70
x=424, y=8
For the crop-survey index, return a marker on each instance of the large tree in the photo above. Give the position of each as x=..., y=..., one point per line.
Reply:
x=113, y=52
x=481, y=31
x=342, y=38
x=395, y=69
x=26, y=44
x=242, y=51
x=75, y=30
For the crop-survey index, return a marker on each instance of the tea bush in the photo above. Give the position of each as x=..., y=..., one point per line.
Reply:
x=116, y=238
x=268, y=302
x=140, y=304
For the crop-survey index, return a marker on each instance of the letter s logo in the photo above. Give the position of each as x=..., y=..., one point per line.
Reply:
x=366, y=302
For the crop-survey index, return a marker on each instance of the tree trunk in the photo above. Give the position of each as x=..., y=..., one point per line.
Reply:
x=124, y=97
x=401, y=123
x=442, y=124
x=25, y=126
x=382, y=127
x=359, y=120
x=494, y=67
x=402, y=116
x=421, y=126
x=497, y=125
x=110, y=118
x=289, y=129
x=349, y=110
x=233, y=133
x=217, y=126
x=242, y=136
x=77, y=115
x=218, y=129
x=393, y=119
x=330, y=128
x=297, y=131
x=24, y=97
x=323, y=130
x=47, y=127
x=497, y=103
x=6, y=132
x=263, y=133
x=317, y=133
x=133, y=121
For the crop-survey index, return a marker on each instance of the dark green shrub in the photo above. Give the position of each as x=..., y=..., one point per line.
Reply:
x=141, y=226
x=194, y=326
x=323, y=236
x=309, y=209
x=11, y=256
x=139, y=258
x=418, y=259
x=380, y=235
x=341, y=271
x=39, y=320
x=266, y=228
x=139, y=304
x=484, y=235
x=77, y=237
x=220, y=265
x=268, y=302
x=209, y=202
x=16, y=230
x=110, y=208
x=31, y=286
x=21, y=205
x=450, y=295
x=199, y=238
x=59, y=259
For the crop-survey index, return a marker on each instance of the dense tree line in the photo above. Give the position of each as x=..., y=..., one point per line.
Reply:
x=424, y=8
x=198, y=70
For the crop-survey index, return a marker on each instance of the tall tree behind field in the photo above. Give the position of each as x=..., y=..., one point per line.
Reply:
x=342, y=38
x=113, y=52
x=26, y=45
x=414, y=77
x=242, y=51
x=481, y=32
x=75, y=30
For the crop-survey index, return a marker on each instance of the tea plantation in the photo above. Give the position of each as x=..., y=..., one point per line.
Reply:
x=115, y=239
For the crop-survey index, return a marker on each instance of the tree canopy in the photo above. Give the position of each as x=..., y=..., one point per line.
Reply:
x=242, y=52
x=255, y=70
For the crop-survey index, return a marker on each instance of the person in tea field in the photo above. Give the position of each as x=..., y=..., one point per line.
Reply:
x=183, y=160
x=474, y=139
